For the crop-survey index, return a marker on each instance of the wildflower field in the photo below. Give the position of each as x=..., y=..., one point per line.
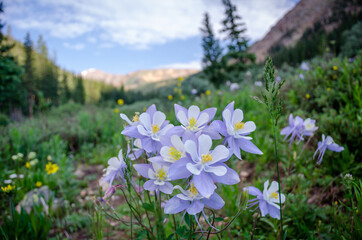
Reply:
x=274, y=156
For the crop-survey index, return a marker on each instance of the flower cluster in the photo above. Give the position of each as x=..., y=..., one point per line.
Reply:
x=298, y=128
x=185, y=152
x=51, y=168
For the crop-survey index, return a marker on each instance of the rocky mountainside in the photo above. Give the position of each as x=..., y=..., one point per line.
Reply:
x=302, y=17
x=135, y=79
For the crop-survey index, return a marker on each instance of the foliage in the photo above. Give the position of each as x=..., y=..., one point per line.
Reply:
x=352, y=40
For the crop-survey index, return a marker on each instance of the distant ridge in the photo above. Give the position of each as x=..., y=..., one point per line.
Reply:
x=291, y=27
x=137, y=78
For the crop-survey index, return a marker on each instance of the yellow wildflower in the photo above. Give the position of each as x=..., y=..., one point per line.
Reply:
x=116, y=110
x=8, y=188
x=335, y=68
x=175, y=89
x=27, y=164
x=182, y=97
x=170, y=97
x=38, y=184
x=307, y=96
x=180, y=79
x=120, y=101
x=335, y=203
x=144, y=109
x=328, y=89
x=208, y=92
x=179, y=84
x=51, y=168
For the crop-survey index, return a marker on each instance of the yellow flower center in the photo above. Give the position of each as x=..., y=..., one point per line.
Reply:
x=206, y=158
x=193, y=190
x=174, y=154
x=155, y=128
x=51, y=168
x=273, y=195
x=239, y=125
x=135, y=118
x=192, y=123
x=161, y=174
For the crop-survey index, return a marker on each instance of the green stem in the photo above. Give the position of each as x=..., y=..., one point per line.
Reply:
x=159, y=220
x=276, y=156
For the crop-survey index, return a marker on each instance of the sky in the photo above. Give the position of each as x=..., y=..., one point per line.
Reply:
x=122, y=36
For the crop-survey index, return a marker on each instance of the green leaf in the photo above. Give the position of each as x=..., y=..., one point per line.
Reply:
x=149, y=207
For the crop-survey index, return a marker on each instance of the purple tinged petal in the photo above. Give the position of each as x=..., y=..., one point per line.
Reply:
x=167, y=188
x=212, y=130
x=230, y=178
x=151, y=110
x=131, y=131
x=273, y=211
x=254, y=191
x=142, y=169
x=335, y=147
x=150, y=186
x=230, y=107
x=248, y=146
x=147, y=144
x=178, y=169
x=195, y=207
x=263, y=208
x=215, y=201
x=222, y=127
x=211, y=112
x=176, y=205
x=204, y=184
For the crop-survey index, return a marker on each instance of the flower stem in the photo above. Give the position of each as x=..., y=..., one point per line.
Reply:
x=277, y=159
x=159, y=220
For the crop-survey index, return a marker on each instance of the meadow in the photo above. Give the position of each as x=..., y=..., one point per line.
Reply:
x=64, y=150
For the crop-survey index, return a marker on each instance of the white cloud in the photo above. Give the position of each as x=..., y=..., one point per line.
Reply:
x=196, y=64
x=138, y=23
x=77, y=46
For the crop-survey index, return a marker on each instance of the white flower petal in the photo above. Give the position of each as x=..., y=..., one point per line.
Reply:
x=193, y=111
x=218, y=170
x=190, y=147
x=177, y=143
x=158, y=118
x=203, y=118
x=248, y=127
x=164, y=153
x=114, y=163
x=142, y=130
x=238, y=116
x=124, y=117
x=205, y=144
x=182, y=118
x=226, y=114
x=219, y=153
x=273, y=187
x=194, y=168
x=151, y=174
x=145, y=120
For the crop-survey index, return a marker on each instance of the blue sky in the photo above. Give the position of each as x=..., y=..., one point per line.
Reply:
x=122, y=36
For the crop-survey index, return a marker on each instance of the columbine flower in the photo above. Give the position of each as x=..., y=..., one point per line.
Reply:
x=158, y=175
x=206, y=166
x=192, y=201
x=194, y=91
x=175, y=151
x=258, y=83
x=136, y=150
x=233, y=87
x=115, y=169
x=8, y=181
x=268, y=200
x=309, y=127
x=304, y=66
x=51, y=168
x=193, y=121
x=327, y=143
x=12, y=176
x=235, y=131
x=134, y=121
x=301, y=76
x=294, y=130
x=151, y=128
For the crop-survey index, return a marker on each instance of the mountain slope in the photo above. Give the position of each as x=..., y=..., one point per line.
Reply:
x=136, y=79
x=305, y=15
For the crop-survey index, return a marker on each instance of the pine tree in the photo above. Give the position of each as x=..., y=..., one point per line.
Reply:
x=79, y=92
x=28, y=77
x=237, y=56
x=65, y=92
x=212, y=60
x=11, y=91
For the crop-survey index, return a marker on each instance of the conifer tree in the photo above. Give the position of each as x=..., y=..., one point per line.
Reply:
x=65, y=91
x=212, y=59
x=28, y=77
x=79, y=92
x=11, y=91
x=237, y=56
